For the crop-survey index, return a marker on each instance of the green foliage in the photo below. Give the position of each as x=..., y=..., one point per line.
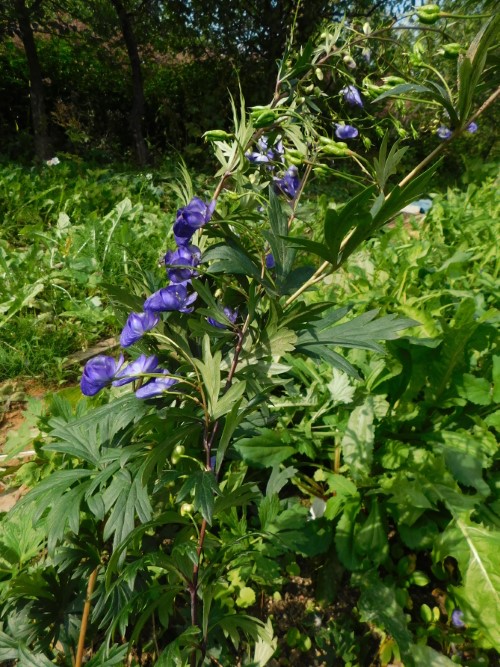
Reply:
x=294, y=449
x=74, y=231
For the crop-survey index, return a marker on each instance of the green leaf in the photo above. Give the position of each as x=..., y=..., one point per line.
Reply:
x=425, y=656
x=203, y=486
x=371, y=538
x=378, y=606
x=319, y=249
x=471, y=66
x=397, y=199
x=178, y=652
x=345, y=535
x=355, y=214
x=386, y=165
x=232, y=422
x=466, y=455
x=228, y=400
x=474, y=389
x=246, y=597
x=477, y=552
x=360, y=332
x=230, y=258
x=496, y=379
x=402, y=89
x=264, y=450
x=357, y=443
x=277, y=238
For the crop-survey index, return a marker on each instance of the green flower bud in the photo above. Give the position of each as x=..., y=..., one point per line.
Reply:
x=294, y=157
x=319, y=73
x=451, y=51
x=428, y=14
x=393, y=80
x=330, y=147
x=186, y=508
x=426, y=613
x=217, y=135
x=263, y=117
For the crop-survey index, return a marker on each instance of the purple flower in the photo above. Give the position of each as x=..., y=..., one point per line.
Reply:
x=98, y=373
x=156, y=386
x=136, y=326
x=173, y=297
x=190, y=218
x=265, y=154
x=270, y=261
x=229, y=313
x=444, y=132
x=185, y=256
x=472, y=127
x=289, y=183
x=136, y=368
x=457, y=619
x=346, y=131
x=352, y=96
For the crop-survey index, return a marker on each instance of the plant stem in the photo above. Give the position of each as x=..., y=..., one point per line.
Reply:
x=85, y=617
x=208, y=441
x=321, y=272
x=437, y=151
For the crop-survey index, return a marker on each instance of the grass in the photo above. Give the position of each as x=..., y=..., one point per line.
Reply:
x=69, y=231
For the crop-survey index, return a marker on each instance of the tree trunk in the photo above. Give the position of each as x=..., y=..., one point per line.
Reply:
x=43, y=149
x=138, y=104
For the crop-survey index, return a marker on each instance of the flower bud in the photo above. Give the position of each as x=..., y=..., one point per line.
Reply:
x=263, y=117
x=319, y=73
x=350, y=62
x=186, y=508
x=338, y=148
x=451, y=51
x=217, y=135
x=428, y=14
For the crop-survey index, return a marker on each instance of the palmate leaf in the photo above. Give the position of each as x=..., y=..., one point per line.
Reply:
x=361, y=332
x=386, y=165
x=83, y=437
x=204, y=488
x=230, y=258
x=477, y=552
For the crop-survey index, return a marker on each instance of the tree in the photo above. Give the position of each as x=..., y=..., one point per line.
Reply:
x=43, y=149
x=138, y=102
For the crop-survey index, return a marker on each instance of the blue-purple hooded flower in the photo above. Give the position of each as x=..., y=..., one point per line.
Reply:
x=264, y=154
x=173, y=297
x=142, y=365
x=289, y=183
x=352, y=96
x=346, y=131
x=156, y=386
x=457, y=619
x=190, y=218
x=179, y=262
x=472, y=127
x=444, y=132
x=270, y=261
x=98, y=373
x=229, y=313
x=136, y=326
